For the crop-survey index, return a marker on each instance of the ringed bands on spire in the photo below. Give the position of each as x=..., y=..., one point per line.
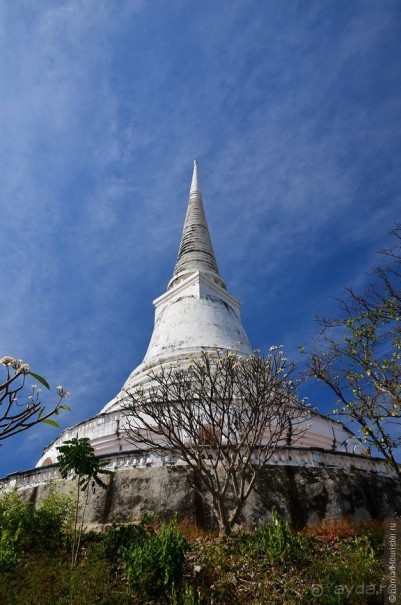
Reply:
x=196, y=250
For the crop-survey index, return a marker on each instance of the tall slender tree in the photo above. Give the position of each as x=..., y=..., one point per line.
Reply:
x=77, y=457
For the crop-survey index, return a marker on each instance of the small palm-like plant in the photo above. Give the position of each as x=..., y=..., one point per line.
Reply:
x=77, y=456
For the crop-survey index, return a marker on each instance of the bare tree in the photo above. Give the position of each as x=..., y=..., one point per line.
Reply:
x=224, y=416
x=358, y=356
x=21, y=407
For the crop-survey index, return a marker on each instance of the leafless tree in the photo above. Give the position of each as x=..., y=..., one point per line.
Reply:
x=358, y=356
x=20, y=406
x=224, y=416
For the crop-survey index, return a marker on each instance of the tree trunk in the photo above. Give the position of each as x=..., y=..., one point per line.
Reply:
x=223, y=523
x=75, y=525
x=81, y=526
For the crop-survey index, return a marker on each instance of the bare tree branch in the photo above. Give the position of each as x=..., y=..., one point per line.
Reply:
x=358, y=356
x=21, y=409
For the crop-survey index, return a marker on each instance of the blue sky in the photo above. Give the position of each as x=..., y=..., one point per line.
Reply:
x=294, y=112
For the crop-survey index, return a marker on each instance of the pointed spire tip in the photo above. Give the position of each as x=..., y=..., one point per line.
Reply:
x=195, y=184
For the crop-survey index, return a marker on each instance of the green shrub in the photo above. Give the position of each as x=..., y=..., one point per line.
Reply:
x=24, y=528
x=118, y=537
x=53, y=520
x=8, y=550
x=155, y=566
x=15, y=521
x=274, y=540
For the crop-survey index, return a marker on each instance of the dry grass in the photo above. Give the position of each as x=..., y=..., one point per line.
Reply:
x=340, y=529
x=194, y=533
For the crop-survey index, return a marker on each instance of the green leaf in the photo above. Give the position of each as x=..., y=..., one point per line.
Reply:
x=51, y=422
x=40, y=379
x=65, y=407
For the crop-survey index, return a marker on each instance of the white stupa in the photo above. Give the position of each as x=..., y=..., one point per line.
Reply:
x=195, y=314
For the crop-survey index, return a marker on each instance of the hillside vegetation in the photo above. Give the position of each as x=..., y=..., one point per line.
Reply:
x=157, y=562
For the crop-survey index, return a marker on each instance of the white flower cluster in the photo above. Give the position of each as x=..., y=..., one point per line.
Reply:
x=276, y=348
x=61, y=392
x=17, y=364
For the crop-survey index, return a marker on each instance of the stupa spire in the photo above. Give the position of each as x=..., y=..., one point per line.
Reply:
x=196, y=250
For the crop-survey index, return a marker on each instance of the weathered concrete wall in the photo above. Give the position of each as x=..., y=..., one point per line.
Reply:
x=302, y=496
x=305, y=496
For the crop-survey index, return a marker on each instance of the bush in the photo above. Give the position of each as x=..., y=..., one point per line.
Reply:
x=154, y=566
x=274, y=540
x=118, y=538
x=53, y=520
x=24, y=528
x=15, y=522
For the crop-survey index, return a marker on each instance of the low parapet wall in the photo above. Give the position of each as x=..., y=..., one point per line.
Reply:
x=295, y=457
